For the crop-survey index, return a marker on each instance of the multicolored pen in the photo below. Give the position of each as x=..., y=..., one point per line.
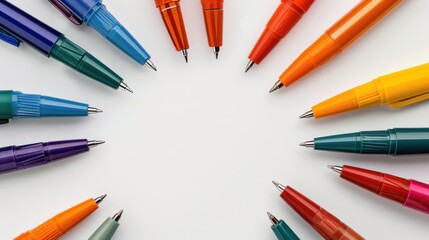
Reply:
x=108, y=228
x=409, y=193
x=397, y=89
x=281, y=229
x=57, y=226
x=326, y=224
x=15, y=158
x=336, y=39
x=396, y=141
x=95, y=14
x=15, y=104
x=213, y=19
x=18, y=26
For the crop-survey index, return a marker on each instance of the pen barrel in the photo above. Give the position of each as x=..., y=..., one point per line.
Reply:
x=213, y=19
x=173, y=19
x=418, y=197
x=81, y=8
x=283, y=231
x=6, y=109
x=15, y=158
x=106, y=230
x=27, y=28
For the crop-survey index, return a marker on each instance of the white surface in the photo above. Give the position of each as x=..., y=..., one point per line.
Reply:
x=191, y=154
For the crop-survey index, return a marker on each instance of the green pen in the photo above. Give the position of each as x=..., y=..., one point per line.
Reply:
x=281, y=229
x=396, y=141
x=108, y=228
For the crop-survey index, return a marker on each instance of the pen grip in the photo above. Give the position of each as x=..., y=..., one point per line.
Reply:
x=21, y=157
x=283, y=231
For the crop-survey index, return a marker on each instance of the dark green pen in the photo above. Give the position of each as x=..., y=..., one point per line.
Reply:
x=281, y=229
x=396, y=141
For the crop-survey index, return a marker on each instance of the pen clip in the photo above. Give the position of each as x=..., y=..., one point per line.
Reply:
x=5, y=36
x=410, y=100
x=4, y=121
x=66, y=12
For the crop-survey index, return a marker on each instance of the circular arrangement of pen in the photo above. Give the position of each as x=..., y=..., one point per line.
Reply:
x=397, y=89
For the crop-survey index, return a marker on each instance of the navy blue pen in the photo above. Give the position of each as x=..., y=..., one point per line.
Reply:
x=95, y=14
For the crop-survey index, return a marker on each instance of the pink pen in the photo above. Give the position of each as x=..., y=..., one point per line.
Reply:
x=409, y=193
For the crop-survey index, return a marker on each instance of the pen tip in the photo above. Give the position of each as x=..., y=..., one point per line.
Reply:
x=125, y=86
x=94, y=143
x=216, y=51
x=335, y=168
x=308, y=114
x=93, y=110
x=150, y=64
x=118, y=216
x=279, y=186
x=249, y=66
x=308, y=144
x=100, y=199
x=185, y=54
x=276, y=86
x=272, y=218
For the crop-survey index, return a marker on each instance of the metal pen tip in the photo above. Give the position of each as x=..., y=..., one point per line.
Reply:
x=100, y=199
x=94, y=143
x=118, y=216
x=276, y=86
x=150, y=64
x=308, y=114
x=279, y=186
x=93, y=110
x=272, y=218
x=124, y=86
x=337, y=169
x=308, y=144
x=249, y=66
x=185, y=54
x=216, y=51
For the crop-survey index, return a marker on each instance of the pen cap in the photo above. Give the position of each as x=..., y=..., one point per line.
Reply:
x=418, y=197
x=405, y=87
x=106, y=230
x=409, y=140
x=6, y=110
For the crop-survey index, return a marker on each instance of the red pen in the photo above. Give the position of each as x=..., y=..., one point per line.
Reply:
x=326, y=224
x=409, y=193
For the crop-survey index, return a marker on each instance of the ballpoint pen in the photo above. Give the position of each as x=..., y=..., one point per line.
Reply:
x=18, y=26
x=14, y=158
x=172, y=16
x=213, y=19
x=57, y=226
x=398, y=89
x=14, y=104
x=409, y=193
x=326, y=224
x=95, y=14
x=397, y=141
x=287, y=15
x=108, y=228
x=336, y=39
x=281, y=229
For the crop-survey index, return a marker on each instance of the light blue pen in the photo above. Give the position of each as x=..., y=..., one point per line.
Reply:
x=95, y=14
x=15, y=104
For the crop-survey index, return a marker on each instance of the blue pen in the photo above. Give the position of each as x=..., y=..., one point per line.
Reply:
x=15, y=104
x=95, y=14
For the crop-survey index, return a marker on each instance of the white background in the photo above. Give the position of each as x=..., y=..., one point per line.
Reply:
x=191, y=154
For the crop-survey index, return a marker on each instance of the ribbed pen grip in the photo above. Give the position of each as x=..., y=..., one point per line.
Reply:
x=28, y=105
x=30, y=155
x=47, y=231
x=375, y=142
x=367, y=95
x=102, y=21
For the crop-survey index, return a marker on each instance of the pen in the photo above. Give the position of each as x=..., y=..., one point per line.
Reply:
x=95, y=14
x=173, y=19
x=336, y=39
x=14, y=158
x=398, y=89
x=213, y=19
x=287, y=15
x=57, y=226
x=397, y=141
x=108, y=228
x=14, y=104
x=281, y=229
x=18, y=26
x=326, y=224
x=409, y=193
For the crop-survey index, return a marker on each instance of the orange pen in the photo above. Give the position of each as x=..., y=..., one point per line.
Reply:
x=336, y=39
x=172, y=16
x=213, y=19
x=287, y=15
x=57, y=226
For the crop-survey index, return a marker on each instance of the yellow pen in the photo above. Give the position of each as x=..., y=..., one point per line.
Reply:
x=398, y=89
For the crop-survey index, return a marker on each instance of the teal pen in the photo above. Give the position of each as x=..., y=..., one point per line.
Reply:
x=108, y=228
x=281, y=229
x=14, y=104
x=396, y=141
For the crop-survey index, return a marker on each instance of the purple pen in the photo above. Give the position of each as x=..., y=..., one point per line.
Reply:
x=16, y=158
